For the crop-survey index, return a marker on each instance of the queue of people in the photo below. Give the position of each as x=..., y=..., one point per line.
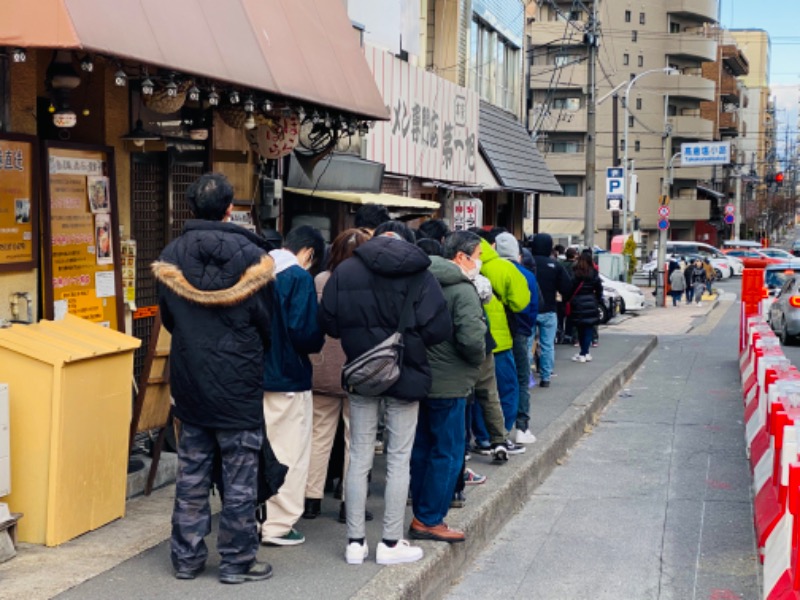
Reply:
x=259, y=347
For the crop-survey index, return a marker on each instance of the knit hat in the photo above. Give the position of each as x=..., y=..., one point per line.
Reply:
x=507, y=246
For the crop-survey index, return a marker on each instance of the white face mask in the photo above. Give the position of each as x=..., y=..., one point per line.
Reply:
x=474, y=271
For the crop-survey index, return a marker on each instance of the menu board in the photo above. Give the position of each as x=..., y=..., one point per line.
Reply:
x=18, y=205
x=82, y=265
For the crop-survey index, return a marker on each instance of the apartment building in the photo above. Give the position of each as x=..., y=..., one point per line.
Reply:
x=641, y=38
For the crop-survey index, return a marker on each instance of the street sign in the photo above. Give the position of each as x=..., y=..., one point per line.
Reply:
x=729, y=219
x=614, y=188
x=663, y=224
x=730, y=209
x=705, y=153
x=663, y=211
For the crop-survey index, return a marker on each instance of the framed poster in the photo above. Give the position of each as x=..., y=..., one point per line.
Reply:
x=19, y=205
x=82, y=271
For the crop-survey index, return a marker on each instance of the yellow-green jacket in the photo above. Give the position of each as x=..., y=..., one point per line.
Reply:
x=510, y=289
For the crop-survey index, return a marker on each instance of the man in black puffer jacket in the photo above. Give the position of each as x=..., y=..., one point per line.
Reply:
x=213, y=299
x=361, y=305
x=552, y=278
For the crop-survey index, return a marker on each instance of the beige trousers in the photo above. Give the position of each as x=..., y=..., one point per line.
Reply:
x=289, y=420
x=326, y=420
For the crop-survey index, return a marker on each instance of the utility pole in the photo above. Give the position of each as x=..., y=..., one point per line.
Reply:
x=661, y=282
x=590, y=38
x=737, y=202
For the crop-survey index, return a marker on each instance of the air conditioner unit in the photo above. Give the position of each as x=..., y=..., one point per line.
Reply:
x=5, y=443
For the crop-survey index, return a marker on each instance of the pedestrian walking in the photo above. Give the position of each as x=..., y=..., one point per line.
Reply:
x=214, y=298
x=552, y=279
x=438, y=454
x=711, y=274
x=288, y=401
x=329, y=399
x=584, y=301
x=361, y=305
x=677, y=284
x=697, y=280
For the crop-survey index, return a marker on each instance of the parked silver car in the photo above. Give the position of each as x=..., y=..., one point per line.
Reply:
x=784, y=312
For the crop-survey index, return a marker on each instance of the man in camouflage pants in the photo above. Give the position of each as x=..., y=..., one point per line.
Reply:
x=213, y=298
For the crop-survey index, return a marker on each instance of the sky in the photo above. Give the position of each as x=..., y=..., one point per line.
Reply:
x=781, y=19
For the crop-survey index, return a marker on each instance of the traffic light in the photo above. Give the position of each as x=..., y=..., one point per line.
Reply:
x=779, y=178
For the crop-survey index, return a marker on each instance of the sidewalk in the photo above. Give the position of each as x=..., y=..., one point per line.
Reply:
x=119, y=559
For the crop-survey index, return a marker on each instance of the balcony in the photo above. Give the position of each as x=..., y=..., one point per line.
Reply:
x=695, y=46
x=551, y=32
x=693, y=128
x=567, y=121
x=729, y=87
x=700, y=10
x=561, y=207
x=690, y=173
x=735, y=59
x=729, y=125
x=567, y=163
x=574, y=75
x=680, y=86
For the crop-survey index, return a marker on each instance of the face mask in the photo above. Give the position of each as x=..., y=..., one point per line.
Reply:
x=473, y=272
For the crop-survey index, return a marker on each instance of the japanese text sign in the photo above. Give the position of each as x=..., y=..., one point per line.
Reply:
x=18, y=208
x=705, y=153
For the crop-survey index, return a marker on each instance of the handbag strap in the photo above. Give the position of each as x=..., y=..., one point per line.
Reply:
x=408, y=304
x=578, y=289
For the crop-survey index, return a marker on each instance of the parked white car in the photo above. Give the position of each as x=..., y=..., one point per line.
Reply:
x=632, y=296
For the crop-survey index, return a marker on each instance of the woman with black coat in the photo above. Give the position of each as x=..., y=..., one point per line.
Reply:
x=587, y=293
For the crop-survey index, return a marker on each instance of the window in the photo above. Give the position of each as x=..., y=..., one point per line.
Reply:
x=634, y=35
x=571, y=189
x=674, y=27
x=633, y=76
x=622, y=145
x=565, y=147
x=637, y=146
x=638, y=104
x=494, y=66
x=630, y=121
x=567, y=103
x=641, y=60
x=626, y=59
x=641, y=18
x=627, y=16
x=561, y=60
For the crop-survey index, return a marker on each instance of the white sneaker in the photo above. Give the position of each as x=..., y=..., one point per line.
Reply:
x=699, y=304
x=588, y=358
x=403, y=552
x=356, y=553
x=579, y=358
x=525, y=437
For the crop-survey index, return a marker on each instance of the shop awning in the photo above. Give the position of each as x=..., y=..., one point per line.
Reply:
x=709, y=193
x=388, y=200
x=561, y=226
x=511, y=154
x=301, y=49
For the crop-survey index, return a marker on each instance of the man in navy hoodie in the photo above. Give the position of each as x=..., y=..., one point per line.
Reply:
x=288, y=407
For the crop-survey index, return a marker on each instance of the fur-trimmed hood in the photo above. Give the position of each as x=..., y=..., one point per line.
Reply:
x=214, y=264
x=253, y=279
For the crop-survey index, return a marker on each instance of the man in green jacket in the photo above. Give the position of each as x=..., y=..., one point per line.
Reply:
x=511, y=295
x=438, y=451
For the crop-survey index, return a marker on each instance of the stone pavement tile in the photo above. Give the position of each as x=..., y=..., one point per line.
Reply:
x=603, y=549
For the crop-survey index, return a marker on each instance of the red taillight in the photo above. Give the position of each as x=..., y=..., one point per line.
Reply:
x=764, y=293
x=794, y=301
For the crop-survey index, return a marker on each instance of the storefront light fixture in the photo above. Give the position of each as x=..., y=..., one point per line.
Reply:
x=87, y=66
x=193, y=94
x=65, y=118
x=148, y=87
x=250, y=122
x=120, y=78
x=315, y=118
x=328, y=121
x=171, y=88
x=266, y=106
x=139, y=135
x=233, y=97
x=213, y=97
x=18, y=55
x=249, y=106
x=60, y=74
x=301, y=113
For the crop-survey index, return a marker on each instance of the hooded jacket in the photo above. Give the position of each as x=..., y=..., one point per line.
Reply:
x=585, y=298
x=455, y=363
x=362, y=301
x=214, y=298
x=295, y=327
x=510, y=290
x=550, y=275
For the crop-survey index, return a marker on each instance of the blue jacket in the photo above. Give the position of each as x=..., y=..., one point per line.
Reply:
x=527, y=317
x=295, y=328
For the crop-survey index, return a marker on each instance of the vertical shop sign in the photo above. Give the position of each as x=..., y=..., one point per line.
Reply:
x=467, y=213
x=433, y=131
x=82, y=267
x=18, y=203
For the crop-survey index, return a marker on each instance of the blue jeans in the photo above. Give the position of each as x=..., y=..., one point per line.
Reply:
x=437, y=457
x=546, y=324
x=522, y=360
x=237, y=541
x=401, y=426
x=505, y=370
x=585, y=334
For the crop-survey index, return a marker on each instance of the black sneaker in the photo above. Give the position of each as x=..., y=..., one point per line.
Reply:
x=459, y=500
x=513, y=448
x=499, y=453
x=258, y=571
x=544, y=383
x=187, y=574
x=484, y=450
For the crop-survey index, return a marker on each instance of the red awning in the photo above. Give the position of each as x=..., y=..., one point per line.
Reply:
x=301, y=49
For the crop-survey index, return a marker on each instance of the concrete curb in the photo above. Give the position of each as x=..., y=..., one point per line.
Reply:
x=443, y=563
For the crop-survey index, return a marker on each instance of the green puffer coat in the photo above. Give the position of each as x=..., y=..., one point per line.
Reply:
x=456, y=362
x=510, y=289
